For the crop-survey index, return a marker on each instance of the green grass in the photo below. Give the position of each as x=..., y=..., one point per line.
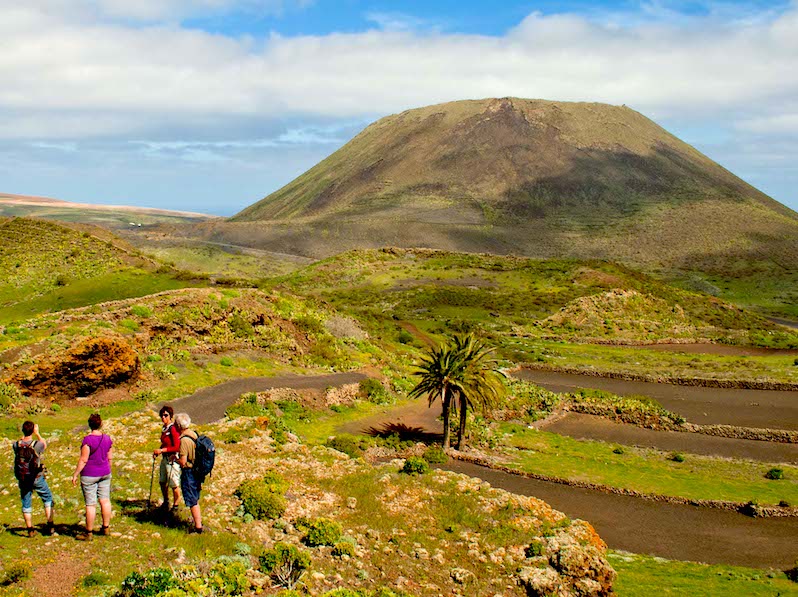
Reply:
x=127, y=283
x=641, y=361
x=647, y=470
x=643, y=576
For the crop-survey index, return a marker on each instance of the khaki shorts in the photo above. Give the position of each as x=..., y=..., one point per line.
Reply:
x=169, y=473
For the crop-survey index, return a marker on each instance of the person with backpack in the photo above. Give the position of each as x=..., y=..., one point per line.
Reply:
x=169, y=473
x=193, y=458
x=30, y=474
x=94, y=469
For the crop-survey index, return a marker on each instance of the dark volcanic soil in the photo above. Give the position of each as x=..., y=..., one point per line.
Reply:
x=208, y=404
x=744, y=408
x=591, y=427
x=667, y=530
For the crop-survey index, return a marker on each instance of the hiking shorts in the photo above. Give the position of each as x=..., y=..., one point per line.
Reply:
x=39, y=485
x=191, y=487
x=96, y=488
x=169, y=473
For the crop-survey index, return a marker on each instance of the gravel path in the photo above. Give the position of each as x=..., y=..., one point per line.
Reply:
x=744, y=408
x=666, y=530
x=208, y=404
x=629, y=523
x=592, y=427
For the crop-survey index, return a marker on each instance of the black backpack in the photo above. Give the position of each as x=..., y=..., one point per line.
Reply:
x=204, y=455
x=27, y=461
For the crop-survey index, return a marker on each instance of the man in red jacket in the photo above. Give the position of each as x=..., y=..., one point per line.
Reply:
x=170, y=469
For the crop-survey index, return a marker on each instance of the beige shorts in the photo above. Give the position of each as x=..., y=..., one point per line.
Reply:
x=169, y=473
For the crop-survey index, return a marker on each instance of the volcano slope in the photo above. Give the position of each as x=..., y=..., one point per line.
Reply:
x=532, y=177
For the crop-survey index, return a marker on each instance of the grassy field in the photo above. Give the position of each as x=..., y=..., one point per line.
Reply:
x=647, y=470
x=643, y=576
x=639, y=361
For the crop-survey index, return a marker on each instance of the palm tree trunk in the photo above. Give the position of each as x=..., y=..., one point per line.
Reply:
x=445, y=398
x=461, y=429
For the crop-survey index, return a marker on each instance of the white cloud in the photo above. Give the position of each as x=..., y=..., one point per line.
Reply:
x=72, y=77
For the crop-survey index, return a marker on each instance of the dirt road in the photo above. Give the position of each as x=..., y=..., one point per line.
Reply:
x=208, y=404
x=666, y=530
x=745, y=408
x=630, y=523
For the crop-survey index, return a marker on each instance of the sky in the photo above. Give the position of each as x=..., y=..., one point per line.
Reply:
x=210, y=105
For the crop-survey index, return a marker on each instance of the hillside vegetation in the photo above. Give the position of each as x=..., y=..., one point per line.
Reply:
x=531, y=177
x=557, y=299
x=50, y=266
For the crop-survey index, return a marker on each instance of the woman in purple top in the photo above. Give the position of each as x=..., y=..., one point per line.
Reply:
x=94, y=468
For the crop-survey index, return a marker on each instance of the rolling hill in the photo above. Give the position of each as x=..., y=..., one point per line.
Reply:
x=532, y=177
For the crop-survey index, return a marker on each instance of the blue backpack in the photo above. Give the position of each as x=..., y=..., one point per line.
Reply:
x=204, y=455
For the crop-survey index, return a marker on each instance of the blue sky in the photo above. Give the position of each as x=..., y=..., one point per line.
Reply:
x=209, y=105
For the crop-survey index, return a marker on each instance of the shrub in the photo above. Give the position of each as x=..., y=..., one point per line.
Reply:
x=319, y=531
x=285, y=564
x=775, y=474
x=246, y=406
x=415, y=465
x=263, y=498
x=141, y=311
x=228, y=577
x=405, y=337
x=373, y=391
x=435, y=455
x=226, y=362
x=94, y=579
x=676, y=457
x=343, y=548
x=150, y=584
x=9, y=395
x=16, y=572
x=130, y=324
x=348, y=444
x=534, y=549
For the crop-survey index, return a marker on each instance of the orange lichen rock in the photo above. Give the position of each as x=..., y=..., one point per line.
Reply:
x=94, y=364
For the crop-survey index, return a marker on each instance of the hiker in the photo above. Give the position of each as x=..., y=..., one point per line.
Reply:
x=169, y=475
x=30, y=474
x=94, y=469
x=191, y=484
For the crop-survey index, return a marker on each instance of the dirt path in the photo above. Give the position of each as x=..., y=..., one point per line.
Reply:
x=744, y=408
x=665, y=530
x=719, y=349
x=592, y=427
x=629, y=523
x=208, y=404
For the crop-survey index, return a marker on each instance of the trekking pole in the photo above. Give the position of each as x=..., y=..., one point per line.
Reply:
x=152, y=479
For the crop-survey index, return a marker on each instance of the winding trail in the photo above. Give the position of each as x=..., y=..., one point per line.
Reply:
x=775, y=409
x=593, y=427
x=667, y=530
x=208, y=404
x=673, y=531
x=628, y=523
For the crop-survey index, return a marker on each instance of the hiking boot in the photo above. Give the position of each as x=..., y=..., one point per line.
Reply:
x=87, y=536
x=105, y=531
x=173, y=510
x=196, y=530
x=50, y=529
x=31, y=532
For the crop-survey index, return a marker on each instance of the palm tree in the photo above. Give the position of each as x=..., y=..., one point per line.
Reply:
x=480, y=381
x=464, y=371
x=441, y=371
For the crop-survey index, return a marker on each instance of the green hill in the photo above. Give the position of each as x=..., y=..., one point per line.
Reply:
x=598, y=301
x=50, y=266
x=538, y=178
